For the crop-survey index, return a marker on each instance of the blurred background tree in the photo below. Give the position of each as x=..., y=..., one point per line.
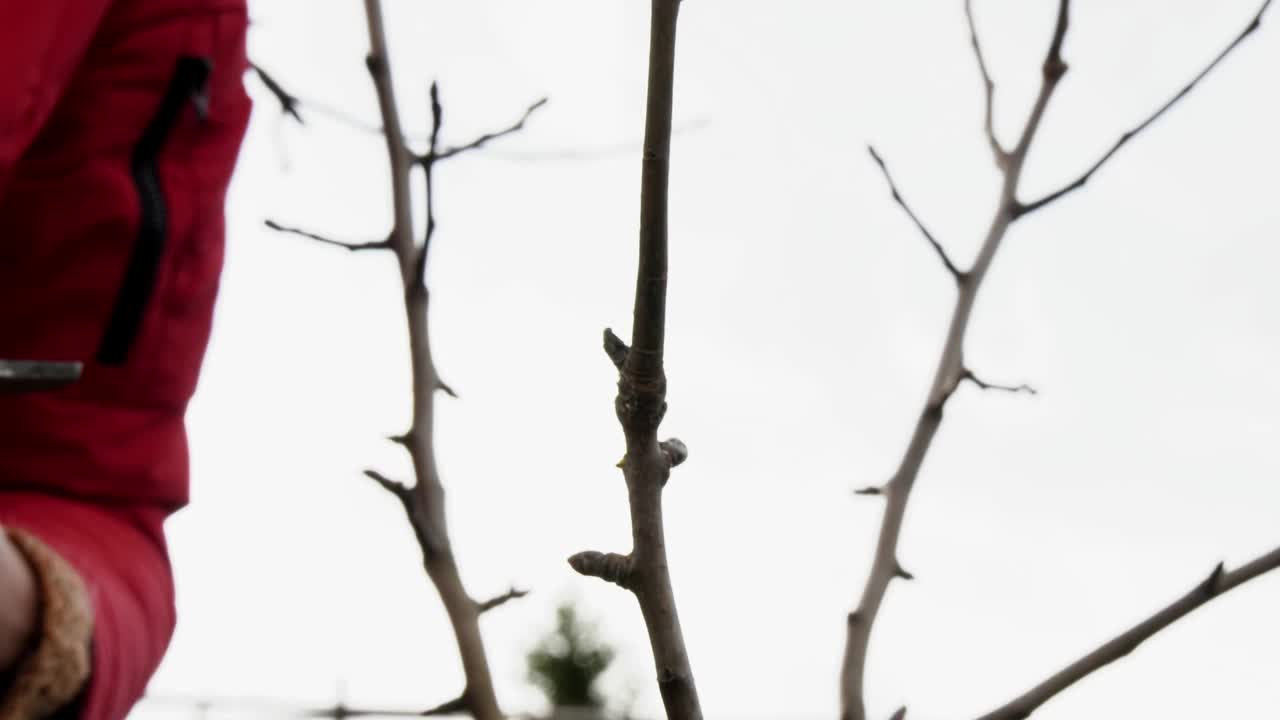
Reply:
x=566, y=665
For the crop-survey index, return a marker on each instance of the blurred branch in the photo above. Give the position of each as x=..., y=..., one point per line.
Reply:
x=293, y=105
x=374, y=245
x=1080, y=181
x=951, y=369
x=1216, y=584
x=1001, y=155
x=641, y=400
x=288, y=101
x=449, y=707
x=483, y=139
x=897, y=197
x=500, y=600
x=983, y=384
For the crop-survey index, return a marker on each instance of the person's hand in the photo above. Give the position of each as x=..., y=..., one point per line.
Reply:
x=18, y=604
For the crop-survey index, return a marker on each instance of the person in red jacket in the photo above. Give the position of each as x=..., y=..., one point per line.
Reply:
x=120, y=122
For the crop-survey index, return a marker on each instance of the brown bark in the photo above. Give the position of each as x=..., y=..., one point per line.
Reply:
x=424, y=503
x=641, y=400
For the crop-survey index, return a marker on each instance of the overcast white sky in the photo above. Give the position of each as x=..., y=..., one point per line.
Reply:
x=805, y=319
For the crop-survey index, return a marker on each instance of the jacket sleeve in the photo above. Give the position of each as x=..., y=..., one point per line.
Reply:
x=117, y=553
x=41, y=45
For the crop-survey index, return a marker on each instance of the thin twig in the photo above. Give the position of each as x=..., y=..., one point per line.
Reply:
x=983, y=384
x=483, y=139
x=288, y=101
x=1216, y=584
x=428, y=172
x=989, y=86
x=374, y=245
x=576, y=154
x=956, y=273
x=1080, y=181
x=500, y=600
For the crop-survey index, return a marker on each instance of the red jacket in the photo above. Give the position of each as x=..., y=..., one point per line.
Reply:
x=120, y=121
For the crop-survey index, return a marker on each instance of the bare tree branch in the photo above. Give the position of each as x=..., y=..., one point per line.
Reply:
x=983, y=384
x=424, y=502
x=483, y=139
x=1216, y=584
x=450, y=707
x=641, y=400
x=398, y=489
x=375, y=245
x=500, y=600
x=1052, y=70
x=379, y=64
x=428, y=167
x=296, y=104
x=951, y=369
x=1079, y=182
x=1001, y=155
x=949, y=372
x=897, y=197
x=288, y=101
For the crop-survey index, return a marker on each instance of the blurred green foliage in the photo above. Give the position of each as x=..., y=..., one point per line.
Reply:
x=567, y=663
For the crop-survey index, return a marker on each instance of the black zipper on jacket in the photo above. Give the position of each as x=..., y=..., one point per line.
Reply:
x=187, y=85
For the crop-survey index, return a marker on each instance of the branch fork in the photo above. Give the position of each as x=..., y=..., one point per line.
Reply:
x=951, y=372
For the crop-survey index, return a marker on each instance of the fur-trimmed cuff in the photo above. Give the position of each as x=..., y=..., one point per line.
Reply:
x=56, y=668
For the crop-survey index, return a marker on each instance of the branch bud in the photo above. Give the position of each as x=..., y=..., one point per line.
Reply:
x=615, y=348
x=612, y=567
x=674, y=450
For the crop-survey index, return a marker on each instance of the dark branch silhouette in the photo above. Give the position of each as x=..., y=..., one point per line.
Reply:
x=989, y=86
x=288, y=101
x=897, y=197
x=500, y=600
x=1126, y=137
x=374, y=245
